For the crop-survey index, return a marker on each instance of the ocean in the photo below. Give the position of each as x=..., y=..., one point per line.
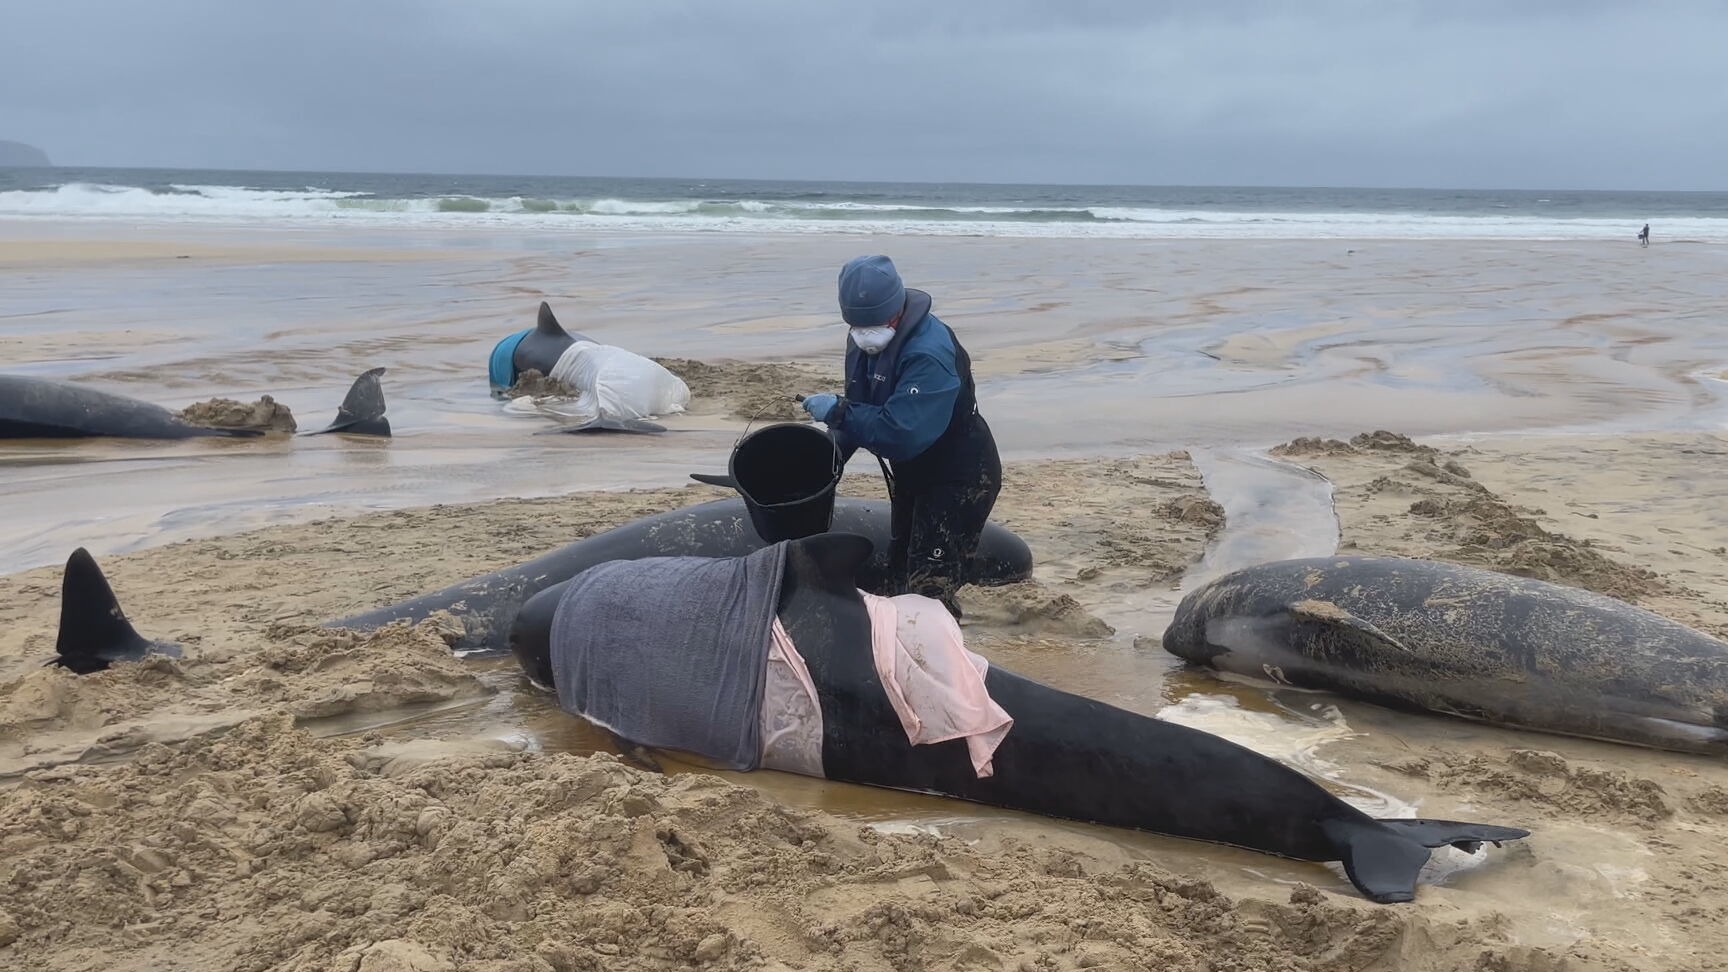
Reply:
x=951, y=209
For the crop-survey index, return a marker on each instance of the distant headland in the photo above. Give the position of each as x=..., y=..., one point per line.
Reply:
x=20, y=156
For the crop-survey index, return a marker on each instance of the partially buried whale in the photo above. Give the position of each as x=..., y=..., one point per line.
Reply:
x=486, y=605
x=1461, y=641
x=40, y=408
x=538, y=349
x=535, y=349
x=94, y=632
x=671, y=654
x=1063, y=755
x=362, y=410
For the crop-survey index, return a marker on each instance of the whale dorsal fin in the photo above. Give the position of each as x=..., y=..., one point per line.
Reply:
x=94, y=632
x=547, y=323
x=836, y=557
x=362, y=411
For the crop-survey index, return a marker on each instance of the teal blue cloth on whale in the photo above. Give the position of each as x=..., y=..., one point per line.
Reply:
x=502, y=370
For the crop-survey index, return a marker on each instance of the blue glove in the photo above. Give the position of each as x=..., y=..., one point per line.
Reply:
x=819, y=406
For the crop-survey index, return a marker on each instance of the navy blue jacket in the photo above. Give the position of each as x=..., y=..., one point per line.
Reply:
x=900, y=402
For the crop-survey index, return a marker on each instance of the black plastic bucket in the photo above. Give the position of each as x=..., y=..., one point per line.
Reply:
x=787, y=474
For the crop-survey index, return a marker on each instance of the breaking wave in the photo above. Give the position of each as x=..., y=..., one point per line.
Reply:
x=817, y=212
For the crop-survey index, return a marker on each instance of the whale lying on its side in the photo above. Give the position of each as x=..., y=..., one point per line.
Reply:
x=39, y=408
x=1063, y=756
x=1465, y=642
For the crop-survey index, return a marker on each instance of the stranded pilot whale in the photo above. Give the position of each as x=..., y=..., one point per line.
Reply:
x=538, y=349
x=362, y=410
x=1466, y=642
x=535, y=349
x=487, y=604
x=1063, y=756
x=40, y=408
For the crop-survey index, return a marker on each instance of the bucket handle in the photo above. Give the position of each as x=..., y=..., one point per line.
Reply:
x=887, y=474
x=770, y=403
x=767, y=404
x=727, y=481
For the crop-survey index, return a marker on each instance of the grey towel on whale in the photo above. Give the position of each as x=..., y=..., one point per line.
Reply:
x=671, y=652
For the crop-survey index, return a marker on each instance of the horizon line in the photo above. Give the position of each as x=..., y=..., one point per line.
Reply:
x=862, y=182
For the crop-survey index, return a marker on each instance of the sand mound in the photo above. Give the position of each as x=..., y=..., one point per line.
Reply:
x=533, y=384
x=1711, y=801
x=1416, y=502
x=225, y=413
x=269, y=849
x=1378, y=441
x=1546, y=779
x=757, y=390
x=1381, y=440
x=49, y=716
x=1311, y=446
x=760, y=390
x=1491, y=533
x=1032, y=608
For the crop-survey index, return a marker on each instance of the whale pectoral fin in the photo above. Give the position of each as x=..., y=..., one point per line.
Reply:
x=1467, y=837
x=362, y=411
x=94, y=632
x=602, y=425
x=1327, y=613
x=1381, y=862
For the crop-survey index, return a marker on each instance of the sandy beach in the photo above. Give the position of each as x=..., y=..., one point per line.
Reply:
x=289, y=797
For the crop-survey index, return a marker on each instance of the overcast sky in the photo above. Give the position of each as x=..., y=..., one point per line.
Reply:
x=1443, y=93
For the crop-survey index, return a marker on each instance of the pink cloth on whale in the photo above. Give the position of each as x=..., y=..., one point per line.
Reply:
x=934, y=684
x=791, y=713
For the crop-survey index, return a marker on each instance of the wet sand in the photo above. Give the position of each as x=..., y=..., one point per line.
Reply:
x=1570, y=381
x=1087, y=348
x=1622, y=870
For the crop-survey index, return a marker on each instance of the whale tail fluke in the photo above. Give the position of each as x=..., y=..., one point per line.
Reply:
x=1383, y=857
x=362, y=412
x=94, y=632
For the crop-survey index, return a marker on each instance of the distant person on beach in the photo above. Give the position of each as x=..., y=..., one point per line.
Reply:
x=1644, y=235
x=909, y=399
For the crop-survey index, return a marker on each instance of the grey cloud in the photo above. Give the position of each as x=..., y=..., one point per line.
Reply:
x=1401, y=92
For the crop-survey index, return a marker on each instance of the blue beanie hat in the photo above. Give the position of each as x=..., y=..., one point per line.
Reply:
x=870, y=291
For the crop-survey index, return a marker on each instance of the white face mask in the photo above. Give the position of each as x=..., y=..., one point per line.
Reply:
x=871, y=340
